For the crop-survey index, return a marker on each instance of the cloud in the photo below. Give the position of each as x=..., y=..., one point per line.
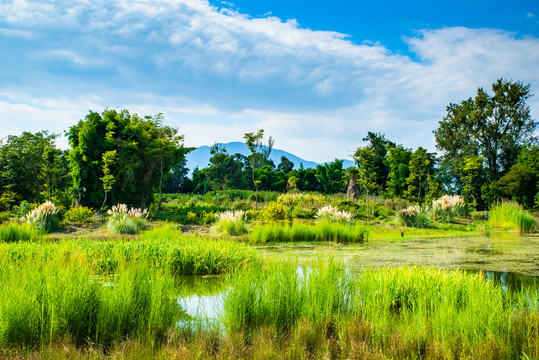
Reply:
x=219, y=73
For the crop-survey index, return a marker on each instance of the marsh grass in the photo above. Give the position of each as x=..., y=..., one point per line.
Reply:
x=408, y=312
x=181, y=256
x=41, y=305
x=14, y=232
x=297, y=232
x=510, y=215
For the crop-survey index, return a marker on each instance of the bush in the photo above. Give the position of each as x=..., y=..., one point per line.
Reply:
x=448, y=208
x=413, y=216
x=511, y=216
x=44, y=217
x=231, y=222
x=274, y=211
x=126, y=221
x=79, y=215
x=329, y=213
x=12, y=232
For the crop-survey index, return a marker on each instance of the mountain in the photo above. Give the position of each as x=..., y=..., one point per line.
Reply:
x=200, y=157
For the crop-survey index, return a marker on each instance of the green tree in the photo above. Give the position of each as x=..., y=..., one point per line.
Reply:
x=285, y=165
x=492, y=126
x=472, y=177
x=331, y=177
x=366, y=162
x=421, y=170
x=30, y=166
x=109, y=158
x=380, y=146
x=144, y=146
x=398, y=161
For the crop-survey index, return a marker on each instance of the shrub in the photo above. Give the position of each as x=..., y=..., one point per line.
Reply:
x=5, y=215
x=12, y=232
x=329, y=213
x=274, y=211
x=231, y=222
x=413, y=216
x=79, y=215
x=511, y=216
x=44, y=217
x=126, y=221
x=447, y=208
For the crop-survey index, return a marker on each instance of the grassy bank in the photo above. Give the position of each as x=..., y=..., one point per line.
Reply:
x=321, y=231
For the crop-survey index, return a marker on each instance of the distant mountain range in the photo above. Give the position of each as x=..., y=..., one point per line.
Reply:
x=201, y=156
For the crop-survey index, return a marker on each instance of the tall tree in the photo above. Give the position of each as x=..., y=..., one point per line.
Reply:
x=398, y=161
x=421, y=171
x=366, y=162
x=143, y=147
x=379, y=145
x=492, y=126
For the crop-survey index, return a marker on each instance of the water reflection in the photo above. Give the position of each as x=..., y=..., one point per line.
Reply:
x=510, y=280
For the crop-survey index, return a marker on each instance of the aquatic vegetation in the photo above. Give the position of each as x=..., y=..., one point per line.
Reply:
x=124, y=220
x=12, y=232
x=44, y=217
x=510, y=215
x=321, y=231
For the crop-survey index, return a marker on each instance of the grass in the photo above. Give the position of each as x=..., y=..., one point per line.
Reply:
x=401, y=313
x=161, y=248
x=41, y=305
x=321, y=231
x=511, y=216
x=14, y=232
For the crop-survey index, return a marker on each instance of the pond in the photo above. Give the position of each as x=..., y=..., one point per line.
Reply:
x=512, y=262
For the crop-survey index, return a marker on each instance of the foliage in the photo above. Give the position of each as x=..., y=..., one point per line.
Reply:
x=231, y=222
x=44, y=217
x=413, y=216
x=126, y=221
x=13, y=232
x=331, y=176
x=510, y=215
x=321, y=231
x=30, y=166
x=145, y=148
x=274, y=211
x=398, y=162
x=79, y=215
x=492, y=126
x=421, y=173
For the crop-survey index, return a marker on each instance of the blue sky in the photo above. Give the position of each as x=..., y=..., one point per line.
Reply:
x=316, y=75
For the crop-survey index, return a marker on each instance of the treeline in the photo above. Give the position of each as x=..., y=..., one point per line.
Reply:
x=487, y=151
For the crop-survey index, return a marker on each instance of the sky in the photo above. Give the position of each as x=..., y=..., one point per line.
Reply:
x=315, y=75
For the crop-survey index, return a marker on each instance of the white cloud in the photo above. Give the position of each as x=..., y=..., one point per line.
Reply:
x=218, y=73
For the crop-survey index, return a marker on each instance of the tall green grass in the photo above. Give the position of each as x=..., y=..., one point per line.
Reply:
x=511, y=216
x=41, y=305
x=179, y=255
x=321, y=231
x=403, y=313
x=13, y=232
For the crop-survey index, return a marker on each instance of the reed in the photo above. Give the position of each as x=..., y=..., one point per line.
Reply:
x=321, y=231
x=14, y=232
x=510, y=215
x=42, y=305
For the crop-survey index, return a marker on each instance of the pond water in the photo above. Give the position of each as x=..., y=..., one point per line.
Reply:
x=512, y=262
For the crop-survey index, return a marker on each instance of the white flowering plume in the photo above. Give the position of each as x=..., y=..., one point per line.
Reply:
x=332, y=213
x=43, y=210
x=123, y=210
x=410, y=211
x=231, y=216
x=447, y=202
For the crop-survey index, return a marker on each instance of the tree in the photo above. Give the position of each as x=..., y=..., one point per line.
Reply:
x=285, y=165
x=380, y=146
x=398, y=161
x=421, y=169
x=143, y=146
x=494, y=127
x=30, y=167
x=259, y=155
x=366, y=162
x=331, y=177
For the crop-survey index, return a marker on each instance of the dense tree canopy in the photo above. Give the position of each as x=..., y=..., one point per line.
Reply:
x=146, y=151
